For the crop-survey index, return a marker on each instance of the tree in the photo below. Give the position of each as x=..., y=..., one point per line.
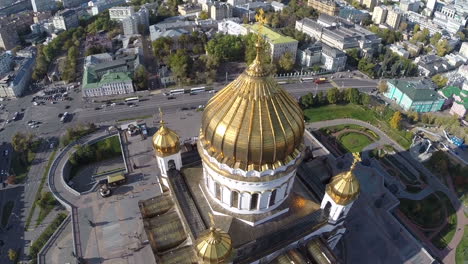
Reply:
x=365, y=99
x=353, y=95
x=12, y=255
x=353, y=56
x=226, y=47
x=366, y=66
x=162, y=47
x=416, y=29
x=395, y=122
x=320, y=98
x=140, y=78
x=439, y=80
x=180, y=64
x=413, y=116
x=443, y=48
x=204, y=15
x=383, y=87
x=307, y=100
x=332, y=95
x=435, y=38
x=403, y=26
x=286, y=62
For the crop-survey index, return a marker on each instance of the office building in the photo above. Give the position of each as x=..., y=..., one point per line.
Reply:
x=220, y=11
x=189, y=9
x=279, y=44
x=379, y=15
x=6, y=60
x=8, y=37
x=418, y=96
x=329, y=7
x=111, y=83
x=331, y=58
x=103, y=5
x=14, y=83
x=65, y=20
x=429, y=65
x=43, y=5
x=231, y=27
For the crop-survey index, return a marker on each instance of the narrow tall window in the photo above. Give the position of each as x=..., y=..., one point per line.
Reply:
x=272, y=198
x=254, y=201
x=235, y=199
x=218, y=191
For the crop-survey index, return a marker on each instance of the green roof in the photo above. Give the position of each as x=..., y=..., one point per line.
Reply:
x=449, y=91
x=90, y=79
x=416, y=91
x=273, y=36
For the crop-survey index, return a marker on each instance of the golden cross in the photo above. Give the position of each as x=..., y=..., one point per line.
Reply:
x=260, y=17
x=212, y=223
x=357, y=158
x=161, y=116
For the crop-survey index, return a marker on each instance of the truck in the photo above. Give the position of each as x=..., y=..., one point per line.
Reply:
x=320, y=80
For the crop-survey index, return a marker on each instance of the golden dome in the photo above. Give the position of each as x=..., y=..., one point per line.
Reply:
x=253, y=123
x=214, y=247
x=344, y=187
x=165, y=141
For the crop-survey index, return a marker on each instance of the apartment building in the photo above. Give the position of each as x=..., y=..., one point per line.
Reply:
x=15, y=82
x=379, y=15
x=6, y=60
x=220, y=11
x=65, y=20
x=329, y=7
x=121, y=12
x=394, y=17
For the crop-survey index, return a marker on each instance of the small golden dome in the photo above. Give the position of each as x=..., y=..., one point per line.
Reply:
x=165, y=141
x=253, y=123
x=214, y=247
x=344, y=187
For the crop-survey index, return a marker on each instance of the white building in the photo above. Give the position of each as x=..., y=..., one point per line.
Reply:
x=230, y=27
x=277, y=6
x=6, y=60
x=331, y=58
x=394, y=17
x=14, y=83
x=220, y=11
x=279, y=44
x=121, y=12
x=111, y=83
x=401, y=51
x=464, y=49
x=379, y=15
x=103, y=5
x=65, y=20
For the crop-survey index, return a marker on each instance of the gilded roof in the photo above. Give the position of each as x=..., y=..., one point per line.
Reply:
x=344, y=187
x=165, y=141
x=214, y=247
x=253, y=123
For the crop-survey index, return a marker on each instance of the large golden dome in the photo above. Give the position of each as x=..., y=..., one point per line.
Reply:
x=344, y=187
x=165, y=141
x=215, y=247
x=253, y=123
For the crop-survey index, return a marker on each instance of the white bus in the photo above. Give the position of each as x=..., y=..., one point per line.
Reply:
x=132, y=100
x=197, y=90
x=176, y=91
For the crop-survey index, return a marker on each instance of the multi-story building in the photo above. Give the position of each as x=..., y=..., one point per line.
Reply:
x=338, y=33
x=394, y=17
x=131, y=24
x=409, y=5
x=369, y=4
x=379, y=15
x=230, y=27
x=329, y=7
x=279, y=44
x=418, y=96
x=109, y=84
x=121, y=12
x=103, y=5
x=354, y=15
x=8, y=37
x=424, y=22
x=464, y=49
x=189, y=9
x=73, y=3
x=6, y=60
x=429, y=65
x=311, y=55
x=237, y=2
x=65, y=20
x=220, y=11
x=458, y=97
x=14, y=83
x=399, y=50
x=331, y=58
x=43, y=5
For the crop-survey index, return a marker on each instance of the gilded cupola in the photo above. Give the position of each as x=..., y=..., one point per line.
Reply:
x=215, y=247
x=165, y=141
x=344, y=187
x=253, y=123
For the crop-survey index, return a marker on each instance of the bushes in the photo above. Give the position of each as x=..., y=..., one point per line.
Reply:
x=46, y=203
x=42, y=239
x=77, y=132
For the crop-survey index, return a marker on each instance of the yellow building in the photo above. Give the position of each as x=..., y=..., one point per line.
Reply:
x=328, y=7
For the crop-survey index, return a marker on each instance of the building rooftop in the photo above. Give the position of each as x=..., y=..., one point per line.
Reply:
x=417, y=91
x=90, y=79
x=272, y=36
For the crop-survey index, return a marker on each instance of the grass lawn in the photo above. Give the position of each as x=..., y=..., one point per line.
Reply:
x=6, y=212
x=354, y=142
x=462, y=250
x=20, y=168
x=427, y=213
x=445, y=235
x=135, y=118
x=329, y=112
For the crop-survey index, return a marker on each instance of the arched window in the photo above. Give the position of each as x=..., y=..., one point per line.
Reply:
x=272, y=198
x=171, y=164
x=254, y=201
x=327, y=207
x=235, y=199
x=217, y=191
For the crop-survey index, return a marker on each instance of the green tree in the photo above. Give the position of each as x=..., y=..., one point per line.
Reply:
x=162, y=47
x=226, y=47
x=443, y=48
x=353, y=95
x=316, y=68
x=307, y=100
x=435, y=38
x=180, y=63
x=365, y=99
x=439, y=80
x=251, y=49
x=12, y=255
x=321, y=100
x=140, y=78
x=353, y=56
x=286, y=62
x=416, y=29
x=395, y=122
x=366, y=66
x=204, y=15
x=332, y=95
